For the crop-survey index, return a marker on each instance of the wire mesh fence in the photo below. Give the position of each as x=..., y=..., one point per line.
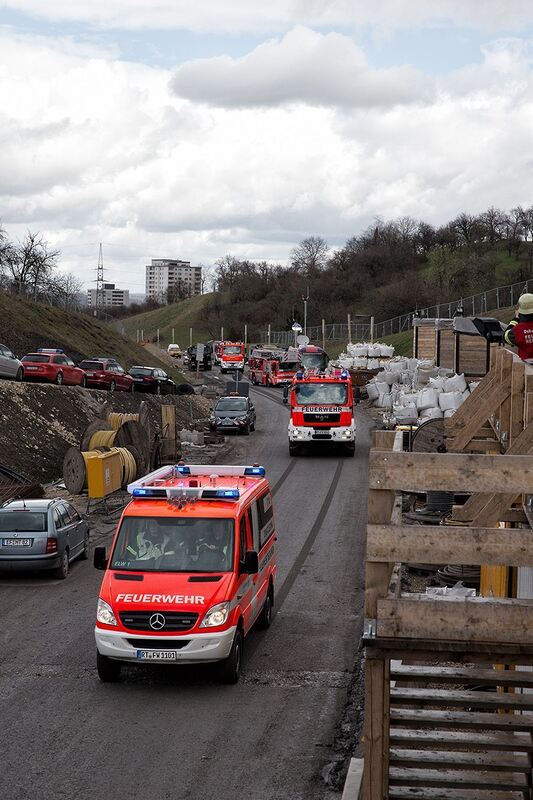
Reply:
x=475, y=305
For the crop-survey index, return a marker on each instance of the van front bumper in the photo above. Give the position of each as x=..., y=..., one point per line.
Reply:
x=200, y=647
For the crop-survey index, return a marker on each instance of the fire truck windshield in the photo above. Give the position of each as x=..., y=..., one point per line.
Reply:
x=233, y=350
x=289, y=366
x=321, y=394
x=167, y=544
x=314, y=360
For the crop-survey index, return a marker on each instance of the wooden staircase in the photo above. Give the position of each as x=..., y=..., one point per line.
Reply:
x=460, y=732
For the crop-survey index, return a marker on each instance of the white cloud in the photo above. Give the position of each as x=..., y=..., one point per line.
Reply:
x=95, y=149
x=275, y=15
x=304, y=66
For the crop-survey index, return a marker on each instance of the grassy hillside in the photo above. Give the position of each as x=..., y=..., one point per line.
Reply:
x=180, y=316
x=24, y=326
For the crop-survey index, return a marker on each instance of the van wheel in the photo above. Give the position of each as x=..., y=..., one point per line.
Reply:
x=265, y=617
x=62, y=570
x=59, y=378
x=20, y=374
x=229, y=670
x=108, y=670
x=246, y=429
x=294, y=449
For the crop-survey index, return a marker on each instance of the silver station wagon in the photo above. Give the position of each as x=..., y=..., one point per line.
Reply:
x=41, y=535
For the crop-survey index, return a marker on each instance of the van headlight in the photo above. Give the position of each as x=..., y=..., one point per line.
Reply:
x=217, y=615
x=104, y=613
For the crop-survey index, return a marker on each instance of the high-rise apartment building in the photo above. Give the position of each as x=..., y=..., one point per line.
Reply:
x=168, y=273
x=111, y=296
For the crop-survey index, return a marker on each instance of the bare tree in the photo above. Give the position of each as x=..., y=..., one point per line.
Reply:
x=31, y=264
x=311, y=255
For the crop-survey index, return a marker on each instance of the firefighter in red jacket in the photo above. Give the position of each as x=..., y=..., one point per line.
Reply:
x=519, y=332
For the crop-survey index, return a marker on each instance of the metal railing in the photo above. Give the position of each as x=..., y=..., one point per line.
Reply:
x=475, y=305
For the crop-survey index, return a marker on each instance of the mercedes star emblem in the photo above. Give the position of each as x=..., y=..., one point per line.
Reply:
x=157, y=622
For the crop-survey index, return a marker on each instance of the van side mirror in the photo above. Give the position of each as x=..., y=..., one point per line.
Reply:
x=285, y=394
x=251, y=563
x=100, y=558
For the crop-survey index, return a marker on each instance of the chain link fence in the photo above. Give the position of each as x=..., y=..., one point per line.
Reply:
x=475, y=305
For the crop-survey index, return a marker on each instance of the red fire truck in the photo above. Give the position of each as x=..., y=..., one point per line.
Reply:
x=313, y=357
x=322, y=411
x=273, y=367
x=231, y=356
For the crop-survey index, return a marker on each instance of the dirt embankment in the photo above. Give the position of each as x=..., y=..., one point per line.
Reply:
x=38, y=422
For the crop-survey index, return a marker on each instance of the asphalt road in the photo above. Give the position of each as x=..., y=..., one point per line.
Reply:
x=175, y=733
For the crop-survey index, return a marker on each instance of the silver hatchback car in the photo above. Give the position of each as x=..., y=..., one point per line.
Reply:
x=10, y=366
x=41, y=535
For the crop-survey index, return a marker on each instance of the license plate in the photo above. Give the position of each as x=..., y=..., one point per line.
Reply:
x=156, y=655
x=16, y=542
x=138, y=380
x=31, y=368
x=322, y=435
x=90, y=374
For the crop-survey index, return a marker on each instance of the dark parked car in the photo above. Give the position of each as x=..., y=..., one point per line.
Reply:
x=233, y=413
x=41, y=535
x=151, y=379
x=106, y=373
x=206, y=359
x=52, y=365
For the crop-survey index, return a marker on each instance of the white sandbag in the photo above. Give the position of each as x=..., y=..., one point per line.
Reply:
x=383, y=387
x=384, y=400
x=450, y=401
x=449, y=413
x=359, y=350
x=456, y=383
x=437, y=383
x=374, y=350
x=389, y=377
x=409, y=398
x=431, y=413
x=373, y=363
x=387, y=350
x=412, y=364
x=473, y=386
x=405, y=412
x=372, y=391
x=345, y=363
x=359, y=362
x=423, y=374
x=445, y=372
x=427, y=398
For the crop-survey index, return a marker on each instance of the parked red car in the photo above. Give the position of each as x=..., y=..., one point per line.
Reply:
x=52, y=365
x=105, y=373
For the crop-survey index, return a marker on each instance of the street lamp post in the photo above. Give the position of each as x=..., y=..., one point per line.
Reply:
x=305, y=298
x=297, y=329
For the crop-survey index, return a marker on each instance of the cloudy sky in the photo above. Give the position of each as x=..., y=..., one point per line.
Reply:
x=195, y=128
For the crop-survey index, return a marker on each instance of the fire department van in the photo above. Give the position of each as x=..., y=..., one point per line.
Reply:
x=191, y=569
x=322, y=411
x=231, y=356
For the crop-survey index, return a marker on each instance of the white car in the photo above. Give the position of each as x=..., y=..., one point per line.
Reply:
x=10, y=366
x=174, y=350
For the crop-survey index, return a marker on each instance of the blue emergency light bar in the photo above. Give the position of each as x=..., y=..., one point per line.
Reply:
x=344, y=374
x=50, y=350
x=149, y=492
x=159, y=483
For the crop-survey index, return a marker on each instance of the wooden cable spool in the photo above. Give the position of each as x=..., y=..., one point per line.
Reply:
x=116, y=420
x=93, y=427
x=102, y=439
x=129, y=466
x=132, y=434
x=75, y=469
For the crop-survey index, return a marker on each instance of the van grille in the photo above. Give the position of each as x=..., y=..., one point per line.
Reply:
x=174, y=620
x=325, y=417
x=162, y=643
